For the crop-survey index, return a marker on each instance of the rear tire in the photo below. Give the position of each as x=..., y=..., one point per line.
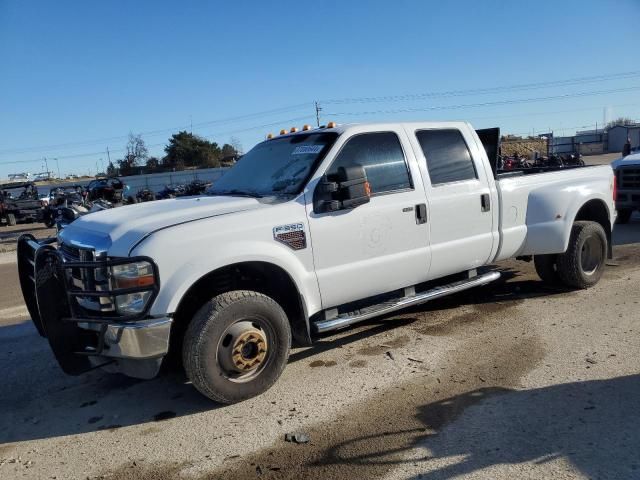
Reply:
x=236, y=346
x=582, y=265
x=547, y=269
x=624, y=215
x=11, y=219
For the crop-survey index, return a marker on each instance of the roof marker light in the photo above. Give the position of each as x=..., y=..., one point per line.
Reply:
x=331, y=125
x=283, y=131
x=294, y=129
x=306, y=127
x=269, y=136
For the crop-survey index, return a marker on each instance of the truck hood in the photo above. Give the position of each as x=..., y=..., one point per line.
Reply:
x=117, y=230
x=629, y=160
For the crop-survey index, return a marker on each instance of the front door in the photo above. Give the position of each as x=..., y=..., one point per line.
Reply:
x=380, y=246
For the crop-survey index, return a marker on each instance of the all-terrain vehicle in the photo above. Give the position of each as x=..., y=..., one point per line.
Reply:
x=61, y=197
x=105, y=188
x=19, y=203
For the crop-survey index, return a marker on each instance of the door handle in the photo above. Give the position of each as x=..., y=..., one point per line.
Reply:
x=485, y=202
x=421, y=214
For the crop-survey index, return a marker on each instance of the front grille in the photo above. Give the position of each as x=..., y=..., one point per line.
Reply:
x=629, y=178
x=70, y=253
x=87, y=279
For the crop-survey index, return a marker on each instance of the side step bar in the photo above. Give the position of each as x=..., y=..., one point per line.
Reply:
x=346, y=319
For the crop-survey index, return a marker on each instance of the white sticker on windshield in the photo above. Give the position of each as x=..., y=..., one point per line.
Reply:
x=307, y=149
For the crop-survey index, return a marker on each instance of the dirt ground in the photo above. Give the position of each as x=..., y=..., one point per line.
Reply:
x=512, y=380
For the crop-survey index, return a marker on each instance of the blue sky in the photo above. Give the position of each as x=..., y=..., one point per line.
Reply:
x=76, y=77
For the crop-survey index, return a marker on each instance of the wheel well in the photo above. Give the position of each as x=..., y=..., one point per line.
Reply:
x=596, y=211
x=262, y=277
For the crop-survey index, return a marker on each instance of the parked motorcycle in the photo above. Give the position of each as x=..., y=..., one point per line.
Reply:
x=70, y=213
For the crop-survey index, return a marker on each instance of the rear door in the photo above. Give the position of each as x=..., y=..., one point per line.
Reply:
x=382, y=245
x=461, y=219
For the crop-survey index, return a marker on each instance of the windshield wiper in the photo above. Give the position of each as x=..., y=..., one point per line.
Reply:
x=237, y=193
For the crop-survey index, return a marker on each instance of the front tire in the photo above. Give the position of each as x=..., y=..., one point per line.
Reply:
x=236, y=346
x=582, y=265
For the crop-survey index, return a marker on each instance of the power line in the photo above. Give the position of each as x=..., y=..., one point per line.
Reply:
x=101, y=152
x=481, y=91
x=488, y=104
x=150, y=133
x=378, y=99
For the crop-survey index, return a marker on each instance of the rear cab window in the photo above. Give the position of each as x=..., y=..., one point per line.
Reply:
x=381, y=155
x=448, y=156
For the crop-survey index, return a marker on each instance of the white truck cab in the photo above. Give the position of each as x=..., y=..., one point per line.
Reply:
x=311, y=231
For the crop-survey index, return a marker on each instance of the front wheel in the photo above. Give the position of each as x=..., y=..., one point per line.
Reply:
x=236, y=346
x=582, y=265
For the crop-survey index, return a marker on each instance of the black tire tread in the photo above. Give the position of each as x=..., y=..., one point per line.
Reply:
x=546, y=269
x=569, y=267
x=196, y=334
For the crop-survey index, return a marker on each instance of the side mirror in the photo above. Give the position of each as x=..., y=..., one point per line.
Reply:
x=349, y=188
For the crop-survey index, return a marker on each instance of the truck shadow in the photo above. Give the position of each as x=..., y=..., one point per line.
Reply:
x=592, y=424
x=38, y=400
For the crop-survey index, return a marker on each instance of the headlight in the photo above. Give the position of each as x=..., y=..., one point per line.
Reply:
x=132, y=303
x=132, y=275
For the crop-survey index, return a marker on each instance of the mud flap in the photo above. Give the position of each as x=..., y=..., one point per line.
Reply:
x=65, y=338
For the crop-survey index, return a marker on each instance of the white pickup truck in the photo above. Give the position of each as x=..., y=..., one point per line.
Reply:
x=311, y=231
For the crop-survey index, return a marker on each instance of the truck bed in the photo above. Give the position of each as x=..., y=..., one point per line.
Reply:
x=538, y=207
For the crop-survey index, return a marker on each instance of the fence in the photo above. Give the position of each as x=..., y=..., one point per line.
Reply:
x=157, y=181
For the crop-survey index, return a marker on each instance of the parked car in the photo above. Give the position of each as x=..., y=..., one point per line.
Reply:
x=19, y=203
x=627, y=171
x=309, y=233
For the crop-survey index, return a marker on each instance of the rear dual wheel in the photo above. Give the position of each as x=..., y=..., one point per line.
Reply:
x=236, y=346
x=582, y=265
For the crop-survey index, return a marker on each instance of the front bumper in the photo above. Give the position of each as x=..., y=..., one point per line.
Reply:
x=81, y=342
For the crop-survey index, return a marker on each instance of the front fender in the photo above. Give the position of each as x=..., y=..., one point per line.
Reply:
x=179, y=272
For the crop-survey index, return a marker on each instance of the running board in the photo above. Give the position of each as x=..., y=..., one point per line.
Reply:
x=346, y=319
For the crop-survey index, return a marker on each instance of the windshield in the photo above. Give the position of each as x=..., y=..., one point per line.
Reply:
x=275, y=167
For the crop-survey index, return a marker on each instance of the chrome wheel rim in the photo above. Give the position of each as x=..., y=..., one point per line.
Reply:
x=243, y=350
x=591, y=255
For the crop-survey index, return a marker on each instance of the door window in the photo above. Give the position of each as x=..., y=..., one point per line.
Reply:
x=381, y=156
x=447, y=154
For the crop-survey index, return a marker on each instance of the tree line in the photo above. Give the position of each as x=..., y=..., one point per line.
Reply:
x=183, y=151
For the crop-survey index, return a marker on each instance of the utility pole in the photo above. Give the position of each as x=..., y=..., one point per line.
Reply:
x=108, y=156
x=46, y=165
x=318, y=110
x=191, y=124
x=57, y=166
